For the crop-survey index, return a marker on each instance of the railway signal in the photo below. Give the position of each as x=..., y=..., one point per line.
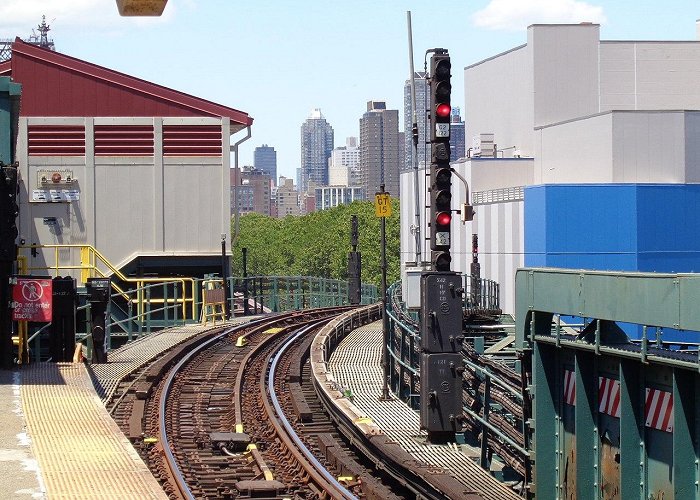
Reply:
x=441, y=289
x=8, y=213
x=440, y=172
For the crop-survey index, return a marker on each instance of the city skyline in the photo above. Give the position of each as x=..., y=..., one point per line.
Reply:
x=271, y=64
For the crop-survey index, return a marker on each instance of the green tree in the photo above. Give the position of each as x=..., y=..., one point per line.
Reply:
x=317, y=244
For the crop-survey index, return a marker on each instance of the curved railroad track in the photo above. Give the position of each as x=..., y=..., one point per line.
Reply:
x=236, y=413
x=205, y=422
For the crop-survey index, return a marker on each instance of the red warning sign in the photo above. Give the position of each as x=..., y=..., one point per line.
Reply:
x=31, y=300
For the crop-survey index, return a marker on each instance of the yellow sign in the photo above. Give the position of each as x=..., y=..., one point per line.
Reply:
x=382, y=205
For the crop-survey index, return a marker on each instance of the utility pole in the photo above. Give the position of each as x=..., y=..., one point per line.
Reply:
x=224, y=276
x=385, y=317
x=354, y=266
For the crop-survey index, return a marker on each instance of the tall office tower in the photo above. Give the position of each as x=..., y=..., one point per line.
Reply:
x=457, y=139
x=379, y=149
x=422, y=98
x=265, y=160
x=345, y=160
x=316, y=147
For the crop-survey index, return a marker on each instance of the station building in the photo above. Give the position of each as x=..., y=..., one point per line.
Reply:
x=136, y=170
x=585, y=154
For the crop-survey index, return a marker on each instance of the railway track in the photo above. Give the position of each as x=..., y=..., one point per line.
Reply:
x=233, y=414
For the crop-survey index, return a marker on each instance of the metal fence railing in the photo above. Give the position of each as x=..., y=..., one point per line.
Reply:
x=151, y=307
x=492, y=397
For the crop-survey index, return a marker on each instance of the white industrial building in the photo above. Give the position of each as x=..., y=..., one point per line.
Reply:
x=564, y=108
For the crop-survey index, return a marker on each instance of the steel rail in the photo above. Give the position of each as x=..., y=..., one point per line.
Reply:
x=180, y=481
x=238, y=394
x=171, y=461
x=282, y=425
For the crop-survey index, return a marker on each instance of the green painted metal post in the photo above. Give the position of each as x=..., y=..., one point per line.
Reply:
x=545, y=423
x=275, y=300
x=484, y=461
x=175, y=301
x=130, y=314
x=88, y=331
x=108, y=325
x=587, y=439
x=165, y=304
x=148, y=310
x=632, y=432
x=9, y=92
x=196, y=300
x=301, y=292
x=684, y=444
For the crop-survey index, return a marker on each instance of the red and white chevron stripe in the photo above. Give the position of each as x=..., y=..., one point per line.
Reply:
x=569, y=387
x=659, y=410
x=609, y=396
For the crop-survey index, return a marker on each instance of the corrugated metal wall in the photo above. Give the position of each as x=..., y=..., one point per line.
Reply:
x=129, y=202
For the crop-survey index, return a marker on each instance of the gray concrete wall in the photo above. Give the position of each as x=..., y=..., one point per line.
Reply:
x=692, y=147
x=575, y=151
x=649, y=147
x=565, y=71
x=649, y=75
x=498, y=99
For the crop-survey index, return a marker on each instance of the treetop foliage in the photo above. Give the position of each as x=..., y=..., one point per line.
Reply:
x=317, y=244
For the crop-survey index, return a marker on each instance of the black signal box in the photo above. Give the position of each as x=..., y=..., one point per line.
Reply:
x=441, y=312
x=441, y=392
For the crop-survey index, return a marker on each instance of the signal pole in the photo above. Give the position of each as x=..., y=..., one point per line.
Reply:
x=441, y=364
x=385, y=317
x=354, y=266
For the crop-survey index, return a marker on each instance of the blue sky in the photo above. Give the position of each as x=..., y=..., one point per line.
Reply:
x=278, y=59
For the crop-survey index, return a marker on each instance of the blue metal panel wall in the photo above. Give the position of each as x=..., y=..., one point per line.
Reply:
x=615, y=227
x=625, y=227
x=581, y=226
x=669, y=227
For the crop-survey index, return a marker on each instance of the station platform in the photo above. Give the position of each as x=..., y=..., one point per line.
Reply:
x=356, y=365
x=57, y=440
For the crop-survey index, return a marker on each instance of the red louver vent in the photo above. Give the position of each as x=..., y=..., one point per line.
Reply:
x=56, y=140
x=123, y=140
x=192, y=140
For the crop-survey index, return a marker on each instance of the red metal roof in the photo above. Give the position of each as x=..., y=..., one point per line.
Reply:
x=5, y=68
x=54, y=84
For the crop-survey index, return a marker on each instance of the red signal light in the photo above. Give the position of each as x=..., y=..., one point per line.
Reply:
x=443, y=110
x=443, y=218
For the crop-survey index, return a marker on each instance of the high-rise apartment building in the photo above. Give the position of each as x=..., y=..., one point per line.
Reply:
x=343, y=169
x=379, y=149
x=422, y=98
x=253, y=191
x=316, y=147
x=332, y=196
x=265, y=160
x=287, y=198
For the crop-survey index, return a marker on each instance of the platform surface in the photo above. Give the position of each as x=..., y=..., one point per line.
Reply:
x=356, y=365
x=57, y=440
x=80, y=451
x=17, y=460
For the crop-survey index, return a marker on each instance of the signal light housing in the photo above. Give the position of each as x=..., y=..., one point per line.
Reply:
x=440, y=172
x=441, y=261
x=443, y=219
x=443, y=110
x=440, y=95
